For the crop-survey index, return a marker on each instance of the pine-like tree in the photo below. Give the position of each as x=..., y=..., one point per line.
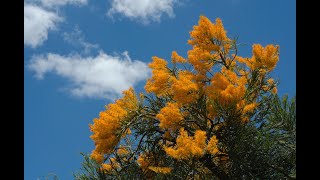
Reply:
x=211, y=115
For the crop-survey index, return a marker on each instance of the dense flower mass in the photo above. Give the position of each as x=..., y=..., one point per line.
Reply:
x=212, y=147
x=105, y=127
x=265, y=58
x=161, y=78
x=184, y=89
x=163, y=170
x=170, y=117
x=176, y=58
x=188, y=146
x=187, y=106
x=208, y=36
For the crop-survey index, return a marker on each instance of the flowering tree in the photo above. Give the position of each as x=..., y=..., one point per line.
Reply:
x=211, y=115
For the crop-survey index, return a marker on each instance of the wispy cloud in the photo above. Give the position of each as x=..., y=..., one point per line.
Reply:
x=37, y=23
x=103, y=76
x=143, y=11
x=56, y=3
x=77, y=39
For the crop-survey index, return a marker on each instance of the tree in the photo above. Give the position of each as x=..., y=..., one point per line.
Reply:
x=212, y=115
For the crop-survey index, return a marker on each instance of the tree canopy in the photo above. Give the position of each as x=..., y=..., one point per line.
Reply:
x=210, y=115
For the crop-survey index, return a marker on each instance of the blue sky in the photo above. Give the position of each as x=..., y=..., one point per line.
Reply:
x=80, y=54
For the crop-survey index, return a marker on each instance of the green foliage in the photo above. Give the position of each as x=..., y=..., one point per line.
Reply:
x=90, y=170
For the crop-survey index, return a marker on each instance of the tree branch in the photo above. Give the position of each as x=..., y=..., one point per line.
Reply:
x=206, y=160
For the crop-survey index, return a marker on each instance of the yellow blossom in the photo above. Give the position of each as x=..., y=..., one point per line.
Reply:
x=265, y=57
x=227, y=47
x=114, y=163
x=245, y=119
x=188, y=146
x=163, y=170
x=176, y=58
x=212, y=147
x=122, y=151
x=265, y=88
x=98, y=157
x=249, y=107
x=200, y=59
x=241, y=59
x=184, y=89
x=270, y=81
x=109, y=122
x=107, y=167
x=160, y=80
x=219, y=32
x=204, y=34
x=170, y=116
x=227, y=87
x=144, y=160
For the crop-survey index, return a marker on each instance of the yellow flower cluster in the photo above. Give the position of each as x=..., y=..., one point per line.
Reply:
x=204, y=34
x=206, y=37
x=272, y=84
x=170, y=116
x=265, y=58
x=160, y=80
x=227, y=87
x=249, y=107
x=219, y=32
x=110, y=166
x=200, y=59
x=122, y=151
x=109, y=122
x=187, y=146
x=144, y=160
x=107, y=167
x=184, y=89
x=163, y=170
x=212, y=147
x=176, y=58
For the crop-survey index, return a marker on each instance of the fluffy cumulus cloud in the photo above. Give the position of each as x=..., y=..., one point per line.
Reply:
x=143, y=10
x=102, y=76
x=56, y=3
x=37, y=23
x=39, y=19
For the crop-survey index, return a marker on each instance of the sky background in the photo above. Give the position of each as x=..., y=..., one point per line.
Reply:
x=80, y=54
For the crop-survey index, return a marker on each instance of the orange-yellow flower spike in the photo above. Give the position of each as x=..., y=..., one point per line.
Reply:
x=176, y=58
x=170, y=116
x=107, y=167
x=184, y=89
x=188, y=146
x=265, y=57
x=109, y=121
x=160, y=80
x=163, y=170
x=204, y=35
x=212, y=145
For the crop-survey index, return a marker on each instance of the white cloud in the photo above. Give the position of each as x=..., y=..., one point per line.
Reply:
x=55, y=3
x=103, y=76
x=37, y=23
x=143, y=10
x=76, y=38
